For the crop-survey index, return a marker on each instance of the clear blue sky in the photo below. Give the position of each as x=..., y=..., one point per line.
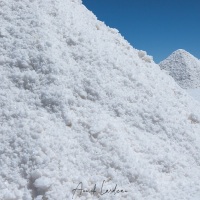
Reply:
x=156, y=26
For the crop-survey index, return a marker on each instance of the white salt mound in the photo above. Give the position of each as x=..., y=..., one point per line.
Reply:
x=184, y=68
x=79, y=104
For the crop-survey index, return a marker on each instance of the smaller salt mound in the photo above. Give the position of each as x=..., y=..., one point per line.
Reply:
x=184, y=68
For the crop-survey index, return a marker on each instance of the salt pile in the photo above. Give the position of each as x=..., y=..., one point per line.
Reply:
x=184, y=68
x=79, y=104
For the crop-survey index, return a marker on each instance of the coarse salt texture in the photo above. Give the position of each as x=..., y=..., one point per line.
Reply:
x=79, y=104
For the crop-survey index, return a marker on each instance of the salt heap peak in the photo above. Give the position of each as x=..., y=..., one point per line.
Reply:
x=79, y=104
x=184, y=68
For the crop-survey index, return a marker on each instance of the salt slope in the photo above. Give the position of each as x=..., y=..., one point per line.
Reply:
x=184, y=68
x=78, y=103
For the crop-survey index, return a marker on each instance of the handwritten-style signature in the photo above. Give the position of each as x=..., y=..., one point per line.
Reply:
x=95, y=191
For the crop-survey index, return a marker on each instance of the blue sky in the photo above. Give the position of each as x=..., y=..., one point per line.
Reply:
x=156, y=26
